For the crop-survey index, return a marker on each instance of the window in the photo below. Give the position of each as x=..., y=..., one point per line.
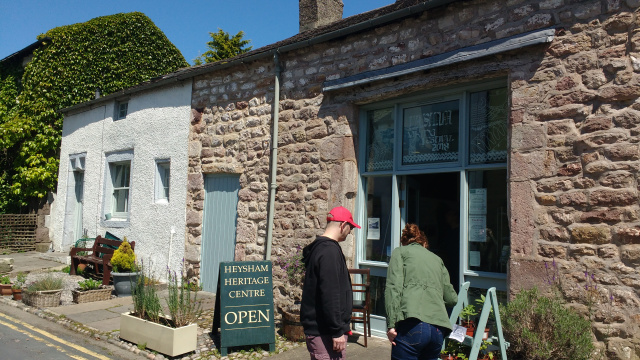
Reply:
x=162, y=181
x=122, y=108
x=438, y=160
x=120, y=178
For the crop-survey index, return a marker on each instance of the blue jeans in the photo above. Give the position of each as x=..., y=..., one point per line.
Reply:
x=417, y=340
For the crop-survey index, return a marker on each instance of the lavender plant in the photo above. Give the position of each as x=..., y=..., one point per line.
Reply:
x=146, y=303
x=183, y=306
x=293, y=266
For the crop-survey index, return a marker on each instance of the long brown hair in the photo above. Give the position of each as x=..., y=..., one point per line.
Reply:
x=412, y=233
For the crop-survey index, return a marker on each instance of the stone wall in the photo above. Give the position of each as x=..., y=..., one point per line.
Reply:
x=574, y=156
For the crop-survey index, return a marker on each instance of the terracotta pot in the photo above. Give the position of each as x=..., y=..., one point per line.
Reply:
x=81, y=267
x=5, y=289
x=17, y=294
x=471, y=327
x=485, y=335
x=447, y=357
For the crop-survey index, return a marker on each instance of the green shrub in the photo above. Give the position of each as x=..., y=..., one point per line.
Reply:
x=47, y=283
x=89, y=284
x=542, y=328
x=4, y=280
x=21, y=278
x=124, y=259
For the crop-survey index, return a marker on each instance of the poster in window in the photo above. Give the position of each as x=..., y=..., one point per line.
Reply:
x=474, y=258
x=477, y=201
x=430, y=133
x=477, y=228
x=373, y=229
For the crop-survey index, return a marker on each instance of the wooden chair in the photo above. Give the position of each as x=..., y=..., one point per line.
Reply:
x=363, y=306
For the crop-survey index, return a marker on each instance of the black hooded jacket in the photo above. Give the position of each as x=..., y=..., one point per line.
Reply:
x=327, y=298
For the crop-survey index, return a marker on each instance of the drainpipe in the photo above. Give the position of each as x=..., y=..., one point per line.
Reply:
x=274, y=155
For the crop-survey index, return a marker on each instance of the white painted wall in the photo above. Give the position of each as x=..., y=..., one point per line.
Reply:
x=156, y=127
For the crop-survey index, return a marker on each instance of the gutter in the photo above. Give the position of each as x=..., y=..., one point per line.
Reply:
x=188, y=73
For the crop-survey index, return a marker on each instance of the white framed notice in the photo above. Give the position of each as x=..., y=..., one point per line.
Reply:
x=477, y=201
x=373, y=229
x=477, y=228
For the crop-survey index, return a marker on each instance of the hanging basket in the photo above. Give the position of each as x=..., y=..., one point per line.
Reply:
x=86, y=296
x=42, y=299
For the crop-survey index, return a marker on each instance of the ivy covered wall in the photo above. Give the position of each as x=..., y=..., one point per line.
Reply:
x=110, y=53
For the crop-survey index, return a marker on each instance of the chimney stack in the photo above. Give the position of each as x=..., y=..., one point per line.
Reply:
x=316, y=13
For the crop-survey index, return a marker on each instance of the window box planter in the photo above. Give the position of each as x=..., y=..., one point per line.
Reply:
x=163, y=339
x=86, y=296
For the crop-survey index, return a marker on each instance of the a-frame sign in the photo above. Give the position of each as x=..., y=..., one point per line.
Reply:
x=244, y=305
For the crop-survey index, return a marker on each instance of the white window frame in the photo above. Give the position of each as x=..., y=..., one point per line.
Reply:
x=110, y=218
x=121, y=110
x=162, y=181
x=124, y=187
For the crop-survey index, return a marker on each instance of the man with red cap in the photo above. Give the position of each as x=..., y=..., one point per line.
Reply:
x=325, y=311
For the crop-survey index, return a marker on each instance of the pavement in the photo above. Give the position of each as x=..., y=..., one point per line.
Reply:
x=101, y=319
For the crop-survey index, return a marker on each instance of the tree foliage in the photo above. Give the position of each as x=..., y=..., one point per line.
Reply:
x=110, y=52
x=223, y=46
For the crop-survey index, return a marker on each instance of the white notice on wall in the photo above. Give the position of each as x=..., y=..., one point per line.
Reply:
x=477, y=201
x=474, y=258
x=373, y=229
x=477, y=228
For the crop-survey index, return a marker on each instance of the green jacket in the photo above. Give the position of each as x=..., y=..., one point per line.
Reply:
x=418, y=286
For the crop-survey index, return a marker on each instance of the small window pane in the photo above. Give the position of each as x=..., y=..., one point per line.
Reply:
x=430, y=133
x=488, y=228
x=380, y=140
x=162, y=180
x=121, y=110
x=120, y=173
x=488, y=126
x=378, y=226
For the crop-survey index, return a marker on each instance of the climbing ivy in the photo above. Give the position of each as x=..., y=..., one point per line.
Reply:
x=110, y=53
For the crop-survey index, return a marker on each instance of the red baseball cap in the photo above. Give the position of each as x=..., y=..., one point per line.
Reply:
x=341, y=213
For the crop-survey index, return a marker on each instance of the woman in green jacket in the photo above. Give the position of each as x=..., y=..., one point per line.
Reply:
x=418, y=289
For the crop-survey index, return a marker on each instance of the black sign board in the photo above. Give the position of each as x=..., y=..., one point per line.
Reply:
x=244, y=305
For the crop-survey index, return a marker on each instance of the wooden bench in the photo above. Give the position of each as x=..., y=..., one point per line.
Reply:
x=99, y=256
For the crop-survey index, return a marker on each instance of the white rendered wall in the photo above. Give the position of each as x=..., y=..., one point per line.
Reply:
x=156, y=127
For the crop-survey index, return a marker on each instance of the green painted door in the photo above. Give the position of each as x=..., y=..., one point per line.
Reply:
x=218, y=226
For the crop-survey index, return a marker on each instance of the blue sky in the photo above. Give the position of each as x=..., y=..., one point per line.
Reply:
x=186, y=23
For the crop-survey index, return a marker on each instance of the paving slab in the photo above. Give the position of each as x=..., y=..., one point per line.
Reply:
x=92, y=316
x=107, y=325
x=121, y=309
x=80, y=308
x=31, y=261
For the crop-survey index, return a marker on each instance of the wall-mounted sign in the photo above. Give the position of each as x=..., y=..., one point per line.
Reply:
x=244, y=305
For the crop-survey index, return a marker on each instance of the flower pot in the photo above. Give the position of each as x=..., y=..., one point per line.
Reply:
x=485, y=335
x=17, y=294
x=470, y=325
x=123, y=282
x=163, y=339
x=86, y=296
x=447, y=357
x=5, y=289
x=42, y=299
x=291, y=326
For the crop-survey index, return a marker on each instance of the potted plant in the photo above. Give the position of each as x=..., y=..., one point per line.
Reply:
x=5, y=285
x=16, y=288
x=171, y=335
x=465, y=315
x=90, y=290
x=294, y=270
x=124, y=271
x=44, y=292
x=484, y=353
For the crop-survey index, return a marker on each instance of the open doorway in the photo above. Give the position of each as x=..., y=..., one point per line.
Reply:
x=433, y=203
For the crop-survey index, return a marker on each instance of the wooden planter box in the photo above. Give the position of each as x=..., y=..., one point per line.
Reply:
x=42, y=299
x=291, y=327
x=163, y=339
x=86, y=296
